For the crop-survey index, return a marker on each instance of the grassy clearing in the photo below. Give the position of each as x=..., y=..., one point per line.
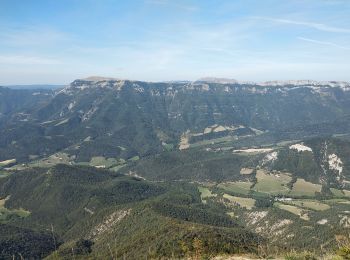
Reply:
x=337, y=193
x=62, y=122
x=6, y=214
x=347, y=193
x=272, y=183
x=118, y=167
x=4, y=174
x=135, y=158
x=2, y=203
x=253, y=150
x=168, y=147
x=239, y=187
x=335, y=201
x=33, y=156
x=310, y=204
x=52, y=160
x=293, y=209
x=184, y=141
x=7, y=162
x=231, y=214
x=304, y=188
x=247, y=203
x=285, y=143
x=108, y=163
x=246, y=171
x=100, y=161
x=345, y=202
x=122, y=148
x=214, y=141
x=340, y=193
x=205, y=193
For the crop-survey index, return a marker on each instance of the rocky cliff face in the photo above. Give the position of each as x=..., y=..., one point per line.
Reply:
x=143, y=115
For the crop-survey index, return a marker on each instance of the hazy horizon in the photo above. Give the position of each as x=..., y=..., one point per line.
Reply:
x=155, y=81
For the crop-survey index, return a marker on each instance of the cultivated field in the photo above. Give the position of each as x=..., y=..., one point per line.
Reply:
x=293, y=209
x=52, y=160
x=304, y=188
x=205, y=193
x=239, y=187
x=2, y=203
x=347, y=193
x=102, y=162
x=246, y=171
x=310, y=204
x=7, y=162
x=4, y=174
x=337, y=193
x=337, y=201
x=247, y=203
x=272, y=183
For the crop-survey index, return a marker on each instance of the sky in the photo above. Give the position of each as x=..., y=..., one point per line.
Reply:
x=55, y=42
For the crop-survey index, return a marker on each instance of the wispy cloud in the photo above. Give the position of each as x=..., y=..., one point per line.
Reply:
x=27, y=60
x=177, y=39
x=324, y=43
x=317, y=26
x=31, y=36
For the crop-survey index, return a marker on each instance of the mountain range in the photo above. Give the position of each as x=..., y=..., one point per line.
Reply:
x=109, y=168
x=142, y=116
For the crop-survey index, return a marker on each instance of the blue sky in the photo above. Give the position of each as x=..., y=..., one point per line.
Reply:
x=57, y=41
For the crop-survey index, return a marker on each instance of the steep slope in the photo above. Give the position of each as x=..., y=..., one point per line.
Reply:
x=213, y=166
x=88, y=208
x=144, y=117
x=320, y=160
x=61, y=195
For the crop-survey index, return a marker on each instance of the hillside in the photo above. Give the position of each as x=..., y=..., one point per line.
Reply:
x=96, y=211
x=104, y=117
x=84, y=203
x=109, y=168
